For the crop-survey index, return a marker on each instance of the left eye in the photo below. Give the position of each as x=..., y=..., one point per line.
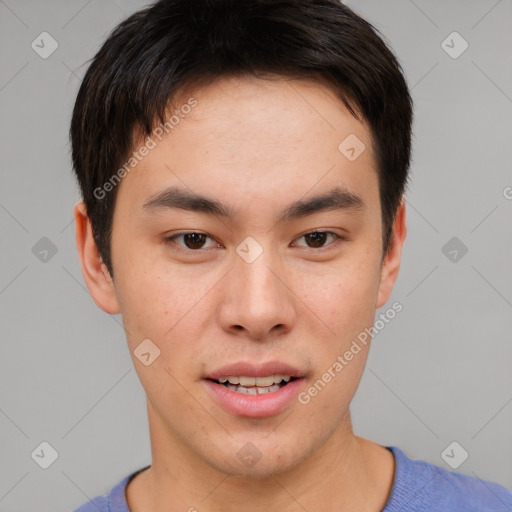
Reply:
x=316, y=239
x=195, y=241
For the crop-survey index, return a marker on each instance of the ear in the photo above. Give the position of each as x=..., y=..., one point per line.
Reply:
x=391, y=264
x=96, y=276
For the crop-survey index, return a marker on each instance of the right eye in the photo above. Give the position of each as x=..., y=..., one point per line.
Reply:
x=192, y=241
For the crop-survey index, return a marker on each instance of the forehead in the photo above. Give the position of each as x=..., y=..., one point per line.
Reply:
x=268, y=111
x=246, y=138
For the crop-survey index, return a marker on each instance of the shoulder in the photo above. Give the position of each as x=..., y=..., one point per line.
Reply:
x=97, y=504
x=113, y=501
x=420, y=486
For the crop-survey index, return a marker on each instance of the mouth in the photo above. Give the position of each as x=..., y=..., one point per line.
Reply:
x=246, y=385
x=252, y=390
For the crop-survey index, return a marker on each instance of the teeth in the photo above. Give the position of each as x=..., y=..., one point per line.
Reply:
x=242, y=380
x=254, y=385
x=266, y=381
x=253, y=390
x=270, y=389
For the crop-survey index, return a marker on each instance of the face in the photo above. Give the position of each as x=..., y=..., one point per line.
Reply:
x=276, y=271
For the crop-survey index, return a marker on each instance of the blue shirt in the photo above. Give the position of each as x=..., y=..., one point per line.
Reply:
x=418, y=486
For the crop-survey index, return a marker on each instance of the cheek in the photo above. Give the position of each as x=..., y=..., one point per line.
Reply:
x=327, y=399
x=344, y=298
x=145, y=303
x=162, y=305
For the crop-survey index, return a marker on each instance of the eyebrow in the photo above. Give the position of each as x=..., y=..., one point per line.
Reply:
x=339, y=198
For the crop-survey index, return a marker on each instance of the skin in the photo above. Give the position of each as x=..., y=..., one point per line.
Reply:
x=256, y=146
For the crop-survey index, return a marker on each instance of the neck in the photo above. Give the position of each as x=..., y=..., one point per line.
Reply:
x=345, y=473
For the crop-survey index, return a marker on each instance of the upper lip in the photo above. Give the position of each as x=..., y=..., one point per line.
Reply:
x=249, y=369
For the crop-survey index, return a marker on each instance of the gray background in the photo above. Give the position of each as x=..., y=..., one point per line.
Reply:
x=440, y=372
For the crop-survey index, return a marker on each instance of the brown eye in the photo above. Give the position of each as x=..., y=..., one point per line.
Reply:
x=193, y=241
x=317, y=239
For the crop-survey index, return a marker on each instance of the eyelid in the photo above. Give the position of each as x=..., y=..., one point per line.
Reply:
x=171, y=238
x=337, y=238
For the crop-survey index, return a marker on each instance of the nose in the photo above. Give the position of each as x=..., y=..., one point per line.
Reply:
x=258, y=303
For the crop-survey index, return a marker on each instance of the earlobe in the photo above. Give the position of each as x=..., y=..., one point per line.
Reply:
x=95, y=273
x=391, y=264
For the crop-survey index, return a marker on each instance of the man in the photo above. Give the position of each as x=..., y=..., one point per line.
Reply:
x=243, y=166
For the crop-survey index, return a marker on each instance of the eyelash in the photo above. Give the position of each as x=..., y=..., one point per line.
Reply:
x=170, y=239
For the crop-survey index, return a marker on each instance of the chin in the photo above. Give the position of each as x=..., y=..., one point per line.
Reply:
x=259, y=457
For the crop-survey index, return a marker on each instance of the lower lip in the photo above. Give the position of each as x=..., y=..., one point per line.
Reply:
x=255, y=406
